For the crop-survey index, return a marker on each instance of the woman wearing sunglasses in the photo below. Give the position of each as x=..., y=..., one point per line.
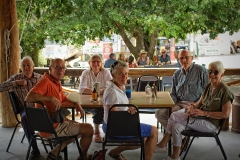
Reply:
x=214, y=104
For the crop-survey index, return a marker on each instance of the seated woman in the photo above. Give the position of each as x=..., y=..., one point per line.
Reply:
x=115, y=94
x=96, y=73
x=164, y=58
x=122, y=57
x=214, y=104
x=131, y=64
x=143, y=59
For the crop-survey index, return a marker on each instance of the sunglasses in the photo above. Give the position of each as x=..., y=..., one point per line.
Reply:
x=215, y=72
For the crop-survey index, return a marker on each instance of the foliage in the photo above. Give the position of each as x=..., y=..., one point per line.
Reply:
x=74, y=21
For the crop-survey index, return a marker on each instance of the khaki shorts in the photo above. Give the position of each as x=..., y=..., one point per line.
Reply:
x=67, y=128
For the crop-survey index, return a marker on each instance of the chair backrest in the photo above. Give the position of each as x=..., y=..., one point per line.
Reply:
x=15, y=102
x=38, y=119
x=122, y=123
x=144, y=79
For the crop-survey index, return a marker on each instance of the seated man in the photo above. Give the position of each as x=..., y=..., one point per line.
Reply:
x=21, y=83
x=49, y=91
x=188, y=84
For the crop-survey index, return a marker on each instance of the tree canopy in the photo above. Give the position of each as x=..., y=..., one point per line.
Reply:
x=75, y=21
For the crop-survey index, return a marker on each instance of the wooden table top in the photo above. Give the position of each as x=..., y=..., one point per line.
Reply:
x=139, y=99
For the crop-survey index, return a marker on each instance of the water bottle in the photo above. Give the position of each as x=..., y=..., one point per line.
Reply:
x=148, y=90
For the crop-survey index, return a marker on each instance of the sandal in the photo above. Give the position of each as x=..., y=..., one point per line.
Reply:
x=51, y=156
x=98, y=138
x=117, y=157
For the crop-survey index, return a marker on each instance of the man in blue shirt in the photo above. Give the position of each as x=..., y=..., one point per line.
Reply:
x=110, y=61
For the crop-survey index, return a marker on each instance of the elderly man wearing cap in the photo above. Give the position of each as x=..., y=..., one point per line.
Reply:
x=110, y=61
x=164, y=58
x=143, y=59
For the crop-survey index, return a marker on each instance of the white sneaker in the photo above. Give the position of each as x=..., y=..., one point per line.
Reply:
x=160, y=150
x=169, y=158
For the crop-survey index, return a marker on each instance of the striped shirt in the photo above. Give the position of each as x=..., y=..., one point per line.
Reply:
x=189, y=86
x=20, y=91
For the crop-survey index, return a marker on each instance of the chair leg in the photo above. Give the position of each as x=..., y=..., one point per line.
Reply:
x=23, y=138
x=103, y=149
x=28, y=151
x=9, y=144
x=220, y=145
x=44, y=145
x=65, y=151
x=187, y=148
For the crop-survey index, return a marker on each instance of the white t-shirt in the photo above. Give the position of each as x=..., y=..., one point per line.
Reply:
x=88, y=77
x=113, y=95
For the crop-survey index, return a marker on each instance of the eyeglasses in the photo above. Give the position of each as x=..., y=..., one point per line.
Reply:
x=163, y=52
x=182, y=58
x=59, y=68
x=215, y=72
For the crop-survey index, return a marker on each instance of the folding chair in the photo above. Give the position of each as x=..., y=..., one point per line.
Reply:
x=122, y=124
x=39, y=120
x=15, y=103
x=194, y=134
x=142, y=82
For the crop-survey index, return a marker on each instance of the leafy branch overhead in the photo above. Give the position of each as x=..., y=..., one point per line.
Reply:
x=74, y=21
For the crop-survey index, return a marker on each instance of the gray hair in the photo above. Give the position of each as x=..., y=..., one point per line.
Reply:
x=112, y=55
x=26, y=57
x=184, y=50
x=117, y=65
x=218, y=65
x=53, y=60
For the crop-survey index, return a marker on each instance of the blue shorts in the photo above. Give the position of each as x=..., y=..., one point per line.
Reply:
x=146, y=129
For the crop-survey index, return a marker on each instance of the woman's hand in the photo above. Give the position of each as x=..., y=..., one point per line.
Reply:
x=132, y=110
x=188, y=108
x=197, y=112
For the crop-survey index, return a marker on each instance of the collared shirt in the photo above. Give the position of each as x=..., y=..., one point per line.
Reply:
x=48, y=86
x=189, y=86
x=20, y=91
x=213, y=101
x=88, y=77
x=160, y=58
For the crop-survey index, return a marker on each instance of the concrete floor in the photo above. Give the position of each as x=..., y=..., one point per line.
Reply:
x=202, y=148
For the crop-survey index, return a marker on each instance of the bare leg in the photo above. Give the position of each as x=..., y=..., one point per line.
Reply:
x=176, y=152
x=164, y=141
x=86, y=133
x=150, y=143
x=96, y=128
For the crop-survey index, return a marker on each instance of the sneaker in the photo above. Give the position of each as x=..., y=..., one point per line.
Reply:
x=160, y=150
x=34, y=154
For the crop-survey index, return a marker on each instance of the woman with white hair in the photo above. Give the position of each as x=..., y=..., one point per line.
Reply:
x=214, y=104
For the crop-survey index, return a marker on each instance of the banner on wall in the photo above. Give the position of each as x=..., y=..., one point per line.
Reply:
x=107, y=49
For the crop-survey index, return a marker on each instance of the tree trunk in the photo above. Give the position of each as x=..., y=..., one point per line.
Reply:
x=9, y=59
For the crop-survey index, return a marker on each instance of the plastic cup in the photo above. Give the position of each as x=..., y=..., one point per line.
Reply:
x=128, y=93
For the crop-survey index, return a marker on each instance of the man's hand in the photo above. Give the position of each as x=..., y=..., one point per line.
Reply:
x=79, y=109
x=56, y=102
x=21, y=82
